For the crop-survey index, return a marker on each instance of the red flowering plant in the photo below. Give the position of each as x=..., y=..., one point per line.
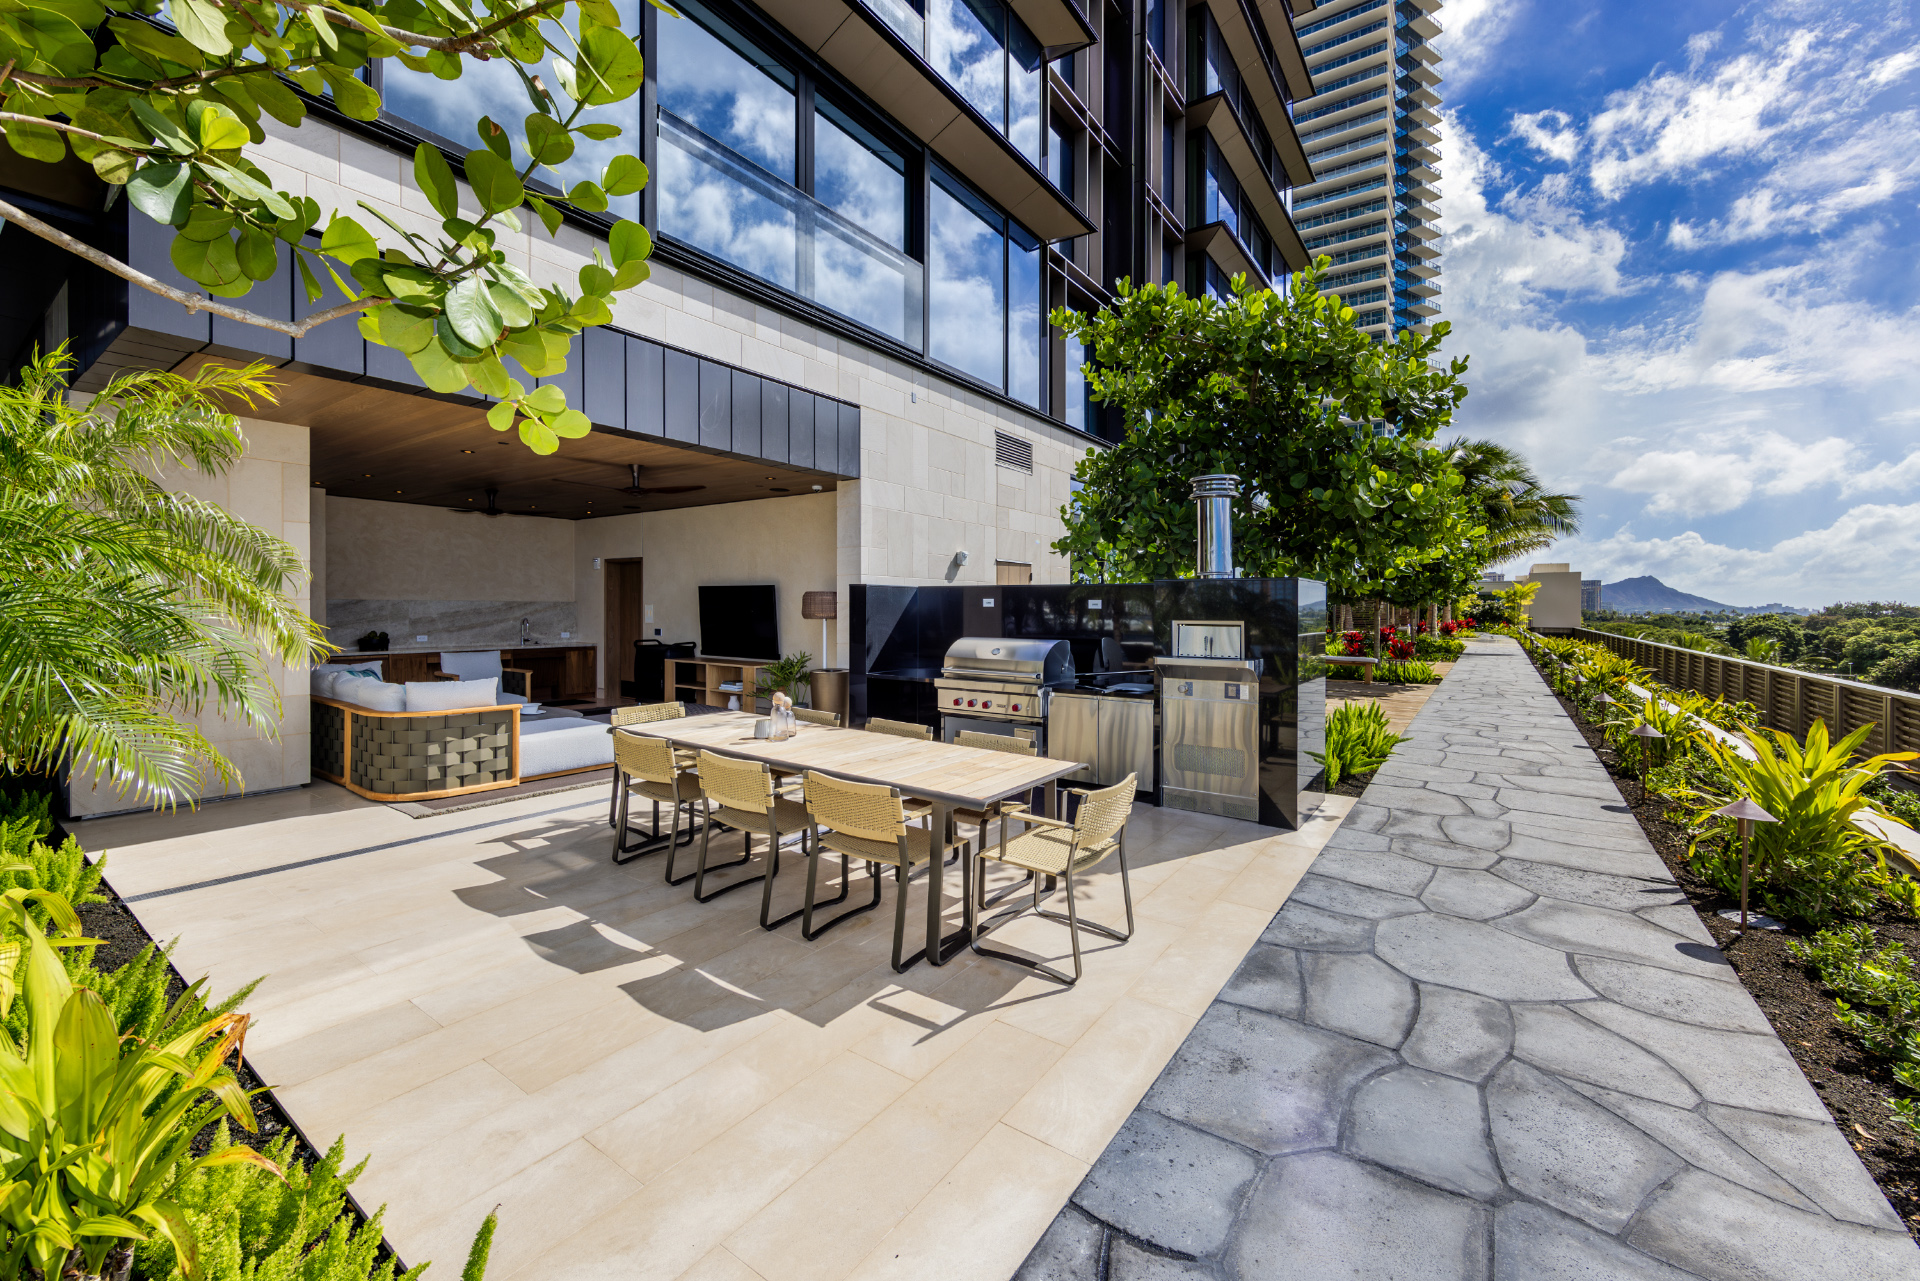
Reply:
x=1400, y=650
x=1448, y=627
x=1355, y=643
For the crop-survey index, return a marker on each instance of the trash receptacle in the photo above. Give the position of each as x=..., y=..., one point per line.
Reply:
x=828, y=690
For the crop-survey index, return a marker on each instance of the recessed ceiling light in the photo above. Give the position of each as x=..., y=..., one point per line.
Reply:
x=399, y=491
x=466, y=451
x=773, y=478
x=366, y=475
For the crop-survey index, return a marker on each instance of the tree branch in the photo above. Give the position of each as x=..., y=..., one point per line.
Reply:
x=64, y=127
x=480, y=41
x=192, y=302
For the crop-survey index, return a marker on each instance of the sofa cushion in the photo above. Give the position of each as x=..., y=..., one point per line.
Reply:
x=564, y=745
x=452, y=696
x=371, y=693
x=324, y=678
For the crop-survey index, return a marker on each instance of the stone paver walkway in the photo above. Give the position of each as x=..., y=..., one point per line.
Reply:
x=1485, y=1038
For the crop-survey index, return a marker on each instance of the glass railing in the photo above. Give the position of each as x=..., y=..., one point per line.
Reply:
x=728, y=207
x=1355, y=56
x=1370, y=162
x=1341, y=237
x=1356, y=34
x=1351, y=189
x=1352, y=11
x=1352, y=100
x=1343, y=127
x=1371, y=140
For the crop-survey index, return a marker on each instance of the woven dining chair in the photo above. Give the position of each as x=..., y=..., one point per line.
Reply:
x=1050, y=847
x=992, y=743
x=741, y=795
x=866, y=821
x=648, y=767
x=640, y=714
x=899, y=729
x=808, y=716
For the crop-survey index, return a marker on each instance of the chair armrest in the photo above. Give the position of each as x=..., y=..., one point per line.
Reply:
x=1043, y=821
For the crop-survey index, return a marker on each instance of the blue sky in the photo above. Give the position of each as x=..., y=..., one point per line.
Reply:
x=1680, y=251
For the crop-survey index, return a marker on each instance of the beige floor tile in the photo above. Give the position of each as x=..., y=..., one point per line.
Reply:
x=1270, y=877
x=429, y=1112
x=1185, y=896
x=1079, y=1105
x=983, y=1218
x=1198, y=964
x=686, y=1116
x=546, y=1057
x=1064, y=1015
x=808, y=1234
x=719, y=1264
x=542, y=1209
x=678, y=1218
x=289, y=1063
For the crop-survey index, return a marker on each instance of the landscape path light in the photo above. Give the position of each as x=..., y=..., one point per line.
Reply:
x=1744, y=813
x=1646, y=734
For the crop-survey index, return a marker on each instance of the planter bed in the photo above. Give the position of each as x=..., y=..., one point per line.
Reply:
x=1853, y=1084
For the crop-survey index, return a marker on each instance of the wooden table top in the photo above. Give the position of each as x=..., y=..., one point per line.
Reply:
x=935, y=771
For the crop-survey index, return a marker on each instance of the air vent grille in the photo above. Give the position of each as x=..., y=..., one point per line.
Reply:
x=1011, y=451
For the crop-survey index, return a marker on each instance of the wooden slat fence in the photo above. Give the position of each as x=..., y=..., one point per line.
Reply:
x=1788, y=700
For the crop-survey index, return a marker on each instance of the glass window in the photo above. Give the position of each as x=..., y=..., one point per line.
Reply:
x=1023, y=315
x=1157, y=28
x=1065, y=67
x=1167, y=170
x=450, y=108
x=1060, y=149
x=858, y=176
x=966, y=287
x=1074, y=410
x=965, y=44
x=730, y=91
x=1024, y=67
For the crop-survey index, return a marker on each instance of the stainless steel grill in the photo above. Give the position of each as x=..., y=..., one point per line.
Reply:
x=1008, y=681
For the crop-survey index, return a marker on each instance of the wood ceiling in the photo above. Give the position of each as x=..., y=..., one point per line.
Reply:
x=390, y=446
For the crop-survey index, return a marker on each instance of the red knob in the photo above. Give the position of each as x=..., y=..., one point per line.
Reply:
x=969, y=702
x=1015, y=707
x=956, y=702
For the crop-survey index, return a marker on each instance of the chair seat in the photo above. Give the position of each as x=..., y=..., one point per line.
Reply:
x=788, y=816
x=661, y=792
x=919, y=846
x=1047, y=850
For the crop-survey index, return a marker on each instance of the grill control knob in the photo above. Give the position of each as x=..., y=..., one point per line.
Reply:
x=986, y=702
x=1014, y=708
x=969, y=702
x=956, y=702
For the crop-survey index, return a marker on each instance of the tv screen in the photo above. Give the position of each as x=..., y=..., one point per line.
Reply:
x=739, y=622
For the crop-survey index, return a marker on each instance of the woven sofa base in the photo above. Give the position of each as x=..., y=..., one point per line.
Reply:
x=391, y=757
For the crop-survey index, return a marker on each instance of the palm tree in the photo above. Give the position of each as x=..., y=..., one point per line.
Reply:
x=1520, y=515
x=126, y=607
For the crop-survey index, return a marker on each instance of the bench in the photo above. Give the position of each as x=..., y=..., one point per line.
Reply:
x=1366, y=665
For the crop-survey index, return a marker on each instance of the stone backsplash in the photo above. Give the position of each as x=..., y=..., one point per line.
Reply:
x=451, y=624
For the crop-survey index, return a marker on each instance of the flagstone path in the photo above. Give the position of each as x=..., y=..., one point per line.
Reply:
x=1486, y=1039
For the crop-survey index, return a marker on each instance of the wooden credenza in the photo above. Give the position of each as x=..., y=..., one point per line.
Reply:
x=559, y=671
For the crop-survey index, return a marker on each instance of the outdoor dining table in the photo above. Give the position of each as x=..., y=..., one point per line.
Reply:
x=945, y=775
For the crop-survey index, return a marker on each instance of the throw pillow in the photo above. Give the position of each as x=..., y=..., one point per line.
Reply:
x=452, y=696
x=322, y=679
x=371, y=693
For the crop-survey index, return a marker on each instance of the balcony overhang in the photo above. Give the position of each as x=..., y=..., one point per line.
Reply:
x=1217, y=115
x=1278, y=17
x=1236, y=24
x=1218, y=242
x=855, y=42
x=1058, y=25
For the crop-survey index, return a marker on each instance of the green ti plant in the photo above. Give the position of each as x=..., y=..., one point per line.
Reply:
x=1877, y=998
x=1411, y=672
x=1679, y=734
x=1813, y=865
x=1358, y=741
x=96, y=1130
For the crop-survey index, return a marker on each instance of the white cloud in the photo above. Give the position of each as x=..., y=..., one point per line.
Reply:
x=1473, y=30
x=1723, y=471
x=1868, y=552
x=1549, y=133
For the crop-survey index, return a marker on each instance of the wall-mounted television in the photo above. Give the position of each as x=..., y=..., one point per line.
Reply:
x=739, y=622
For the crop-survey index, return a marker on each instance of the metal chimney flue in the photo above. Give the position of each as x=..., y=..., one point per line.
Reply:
x=1213, y=506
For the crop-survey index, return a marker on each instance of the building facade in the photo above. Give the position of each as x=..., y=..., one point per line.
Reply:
x=841, y=370
x=1369, y=130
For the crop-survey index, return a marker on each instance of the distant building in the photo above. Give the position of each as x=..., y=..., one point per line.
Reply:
x=1589, y=594
x=1490, y=577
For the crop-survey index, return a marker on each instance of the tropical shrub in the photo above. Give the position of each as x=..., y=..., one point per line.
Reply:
x=1406, y=673
x=1400, y=649
x=1441, y=647
x=1358, y=741
x=1900, y=669
x=1813, y=865
x=1676, y=727
x=1877, y=998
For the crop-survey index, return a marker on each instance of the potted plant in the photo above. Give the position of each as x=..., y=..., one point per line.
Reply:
x=785, y=676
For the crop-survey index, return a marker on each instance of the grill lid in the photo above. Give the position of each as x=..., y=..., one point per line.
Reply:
x=1046, y=662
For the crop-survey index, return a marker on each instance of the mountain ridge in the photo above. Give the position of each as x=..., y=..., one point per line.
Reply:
x=1648, y=595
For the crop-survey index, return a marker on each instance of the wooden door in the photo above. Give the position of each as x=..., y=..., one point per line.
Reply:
x=625, y=622
x=1012, y=571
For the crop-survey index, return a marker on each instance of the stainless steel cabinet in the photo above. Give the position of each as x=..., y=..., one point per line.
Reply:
x=1112, y=736
x=1210, y=736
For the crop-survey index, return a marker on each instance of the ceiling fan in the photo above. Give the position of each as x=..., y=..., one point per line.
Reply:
x=492, y=509
x=635, y=488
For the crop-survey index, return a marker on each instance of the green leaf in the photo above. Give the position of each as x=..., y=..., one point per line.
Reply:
x=546, y=399
x=496, y=139
x=495, y=184
x=500, y=417
x=624, y=175
x=217, y=128
x=435, y=176
x=347, y=240
x=590, y=311
x=403, y=330
x=631, y=274
x=551, y=217
x=609, y=68
x=276, y=99
x=115, y=167
x=247, y=187
x=599, y=130
x=515, y=311
x=595, y=279
x=471, y=312
x=629, y=242
x=307, y=282
x=438, y=369
x=588, y=196
x=209, y=262
x=536, y=436
x=570, y=423
x=449, y=337
x=548, y=141
x=162, y=192
x=490, y=376
x=258, y=253
x=204, y=222
x=351, y=94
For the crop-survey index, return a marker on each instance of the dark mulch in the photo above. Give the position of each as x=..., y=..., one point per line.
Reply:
x=123, y=937
x=1854, y=1084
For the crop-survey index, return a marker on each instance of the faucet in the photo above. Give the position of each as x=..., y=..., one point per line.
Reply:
x=525, y=623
